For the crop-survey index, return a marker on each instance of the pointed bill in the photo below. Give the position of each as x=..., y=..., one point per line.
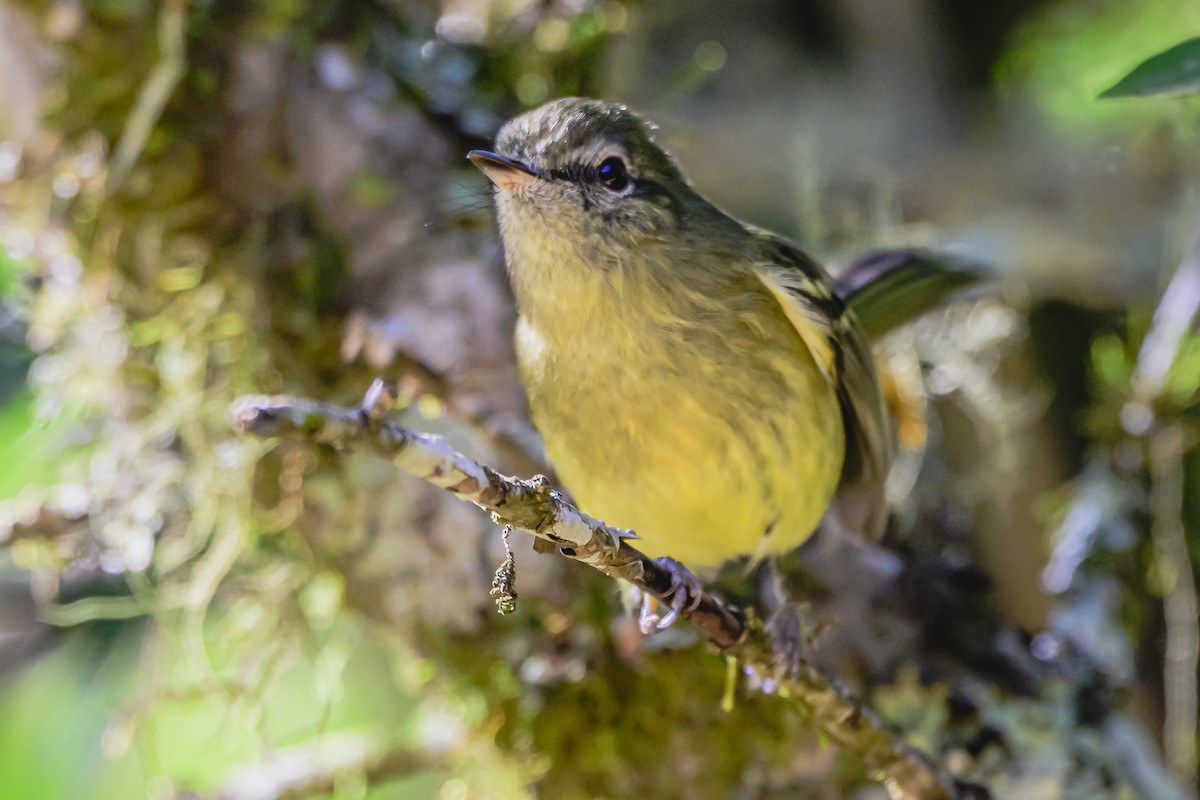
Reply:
x=506, y=173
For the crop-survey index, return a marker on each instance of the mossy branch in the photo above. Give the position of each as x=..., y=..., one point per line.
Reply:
x=535, y=507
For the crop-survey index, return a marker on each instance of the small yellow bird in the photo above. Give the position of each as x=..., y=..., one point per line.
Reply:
x=697, y=380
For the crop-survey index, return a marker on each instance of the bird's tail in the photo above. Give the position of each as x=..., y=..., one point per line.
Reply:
x=889, y=288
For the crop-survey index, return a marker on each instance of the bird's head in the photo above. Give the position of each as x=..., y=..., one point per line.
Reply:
x=584, y=174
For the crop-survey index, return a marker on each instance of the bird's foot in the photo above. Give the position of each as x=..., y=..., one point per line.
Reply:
x=684, y=595
x=790, y=639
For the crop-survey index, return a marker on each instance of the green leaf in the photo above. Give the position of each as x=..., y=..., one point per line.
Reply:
x=1173, y=71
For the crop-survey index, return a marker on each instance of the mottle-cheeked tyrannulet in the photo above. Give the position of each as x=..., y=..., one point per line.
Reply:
x=695, y=379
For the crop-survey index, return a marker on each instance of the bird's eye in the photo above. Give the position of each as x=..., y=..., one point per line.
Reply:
x=613, y=174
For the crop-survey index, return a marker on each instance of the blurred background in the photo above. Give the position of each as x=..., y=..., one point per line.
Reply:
x=202, y=198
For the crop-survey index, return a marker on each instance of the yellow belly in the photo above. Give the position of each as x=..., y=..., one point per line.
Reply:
x=705, y=458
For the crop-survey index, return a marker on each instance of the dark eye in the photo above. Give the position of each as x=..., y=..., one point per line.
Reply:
x=613, y=174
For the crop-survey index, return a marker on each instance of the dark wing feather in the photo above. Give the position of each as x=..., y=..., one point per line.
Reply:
x=860, y=505
x=889, y=288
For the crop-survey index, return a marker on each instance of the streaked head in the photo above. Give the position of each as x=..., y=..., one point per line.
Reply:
x=585, y=171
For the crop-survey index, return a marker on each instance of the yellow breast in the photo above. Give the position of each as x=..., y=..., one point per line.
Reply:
x=710, y=440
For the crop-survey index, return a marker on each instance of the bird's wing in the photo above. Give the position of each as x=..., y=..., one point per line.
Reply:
x=846, y=358
x=890, y=288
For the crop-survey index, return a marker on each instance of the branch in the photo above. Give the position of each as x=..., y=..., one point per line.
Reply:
x=419, y=377
x=535, y=507
x=1174, y=317
x=1174, y=568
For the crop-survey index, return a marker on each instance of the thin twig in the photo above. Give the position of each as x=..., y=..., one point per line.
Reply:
x=152, y=99
x=91, y=609
x=1175, y=316
x=1136, y=759
x=1179, y=602
x=535, y=507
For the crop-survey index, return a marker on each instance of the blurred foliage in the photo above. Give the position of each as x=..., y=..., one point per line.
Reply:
x=1073, y=52
x=1173, y=71
x=227, y=198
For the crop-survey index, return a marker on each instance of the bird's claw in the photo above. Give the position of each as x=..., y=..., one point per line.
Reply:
x=648, y=618
x=685, y=594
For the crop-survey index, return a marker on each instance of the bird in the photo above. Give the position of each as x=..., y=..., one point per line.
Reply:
x=697, y=380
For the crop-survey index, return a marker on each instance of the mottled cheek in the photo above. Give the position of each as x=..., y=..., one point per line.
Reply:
x=631, y=224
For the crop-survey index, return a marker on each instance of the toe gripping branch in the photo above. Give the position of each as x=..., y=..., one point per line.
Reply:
x=684, y=595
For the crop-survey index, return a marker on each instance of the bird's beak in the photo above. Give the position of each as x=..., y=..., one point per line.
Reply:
x=504, y=172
